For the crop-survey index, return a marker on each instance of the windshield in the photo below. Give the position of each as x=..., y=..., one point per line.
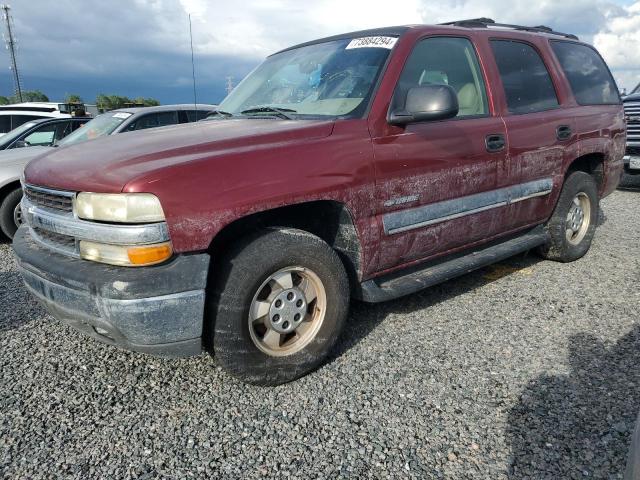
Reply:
x=15, y=133
x=637, y=89
x=332, y=79
x=100, y=126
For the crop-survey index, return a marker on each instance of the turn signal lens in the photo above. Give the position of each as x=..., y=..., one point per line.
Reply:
x=124, y=255
x=148, y=255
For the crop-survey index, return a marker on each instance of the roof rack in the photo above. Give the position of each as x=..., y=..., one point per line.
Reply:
x=488, y=22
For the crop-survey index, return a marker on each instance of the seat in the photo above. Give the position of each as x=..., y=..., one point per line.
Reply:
x=469, y=101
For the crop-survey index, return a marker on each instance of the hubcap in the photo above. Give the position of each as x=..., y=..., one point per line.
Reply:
x=287, y=311
x=578, y=218
x=17, y=215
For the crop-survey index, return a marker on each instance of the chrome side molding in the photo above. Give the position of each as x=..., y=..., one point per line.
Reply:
x=418, y=217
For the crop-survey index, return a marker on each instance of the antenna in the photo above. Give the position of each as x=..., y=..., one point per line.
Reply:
x=193, y=70
x=11, y=46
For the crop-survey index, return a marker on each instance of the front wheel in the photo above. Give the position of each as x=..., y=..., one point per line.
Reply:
x=280, y=303
x=573, y=223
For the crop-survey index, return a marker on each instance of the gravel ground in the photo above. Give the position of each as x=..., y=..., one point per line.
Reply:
x=527, y=369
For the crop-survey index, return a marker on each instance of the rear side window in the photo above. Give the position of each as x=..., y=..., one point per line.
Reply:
x=526, y=80
x=17, y=120
x=5, y=123
x=587, y=73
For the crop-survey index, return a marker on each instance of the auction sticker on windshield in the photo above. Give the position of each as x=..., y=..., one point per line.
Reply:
x=122, y=115
x=372, y=42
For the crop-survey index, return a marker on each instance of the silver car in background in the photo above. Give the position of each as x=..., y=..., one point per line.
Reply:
x=12, y=162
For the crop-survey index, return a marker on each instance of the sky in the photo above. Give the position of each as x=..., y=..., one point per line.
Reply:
x=142, y=47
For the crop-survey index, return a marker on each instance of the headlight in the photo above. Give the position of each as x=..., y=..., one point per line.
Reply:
x=123, y=255
x=119, y=207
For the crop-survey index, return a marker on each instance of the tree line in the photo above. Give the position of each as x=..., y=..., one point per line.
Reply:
x=102, y=101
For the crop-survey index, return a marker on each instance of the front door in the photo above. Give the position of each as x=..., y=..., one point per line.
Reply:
x=436, y=182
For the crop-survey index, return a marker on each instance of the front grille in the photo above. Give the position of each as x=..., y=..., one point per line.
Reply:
x=61, y=201
x=632, y=111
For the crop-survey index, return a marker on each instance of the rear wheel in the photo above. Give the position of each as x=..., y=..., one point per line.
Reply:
x=10, y=213
x=280, y=303
x=573, y=223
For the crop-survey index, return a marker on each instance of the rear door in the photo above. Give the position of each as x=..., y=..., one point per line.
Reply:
x=540, y=131
x=436, y=181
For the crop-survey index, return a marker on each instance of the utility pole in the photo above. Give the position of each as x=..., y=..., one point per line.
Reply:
x=11, y=46
x=229, y=85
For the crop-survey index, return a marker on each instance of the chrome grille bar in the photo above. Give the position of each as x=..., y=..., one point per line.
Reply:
x=50, y=199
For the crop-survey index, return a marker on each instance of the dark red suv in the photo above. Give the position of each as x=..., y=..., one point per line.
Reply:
x=367, y=165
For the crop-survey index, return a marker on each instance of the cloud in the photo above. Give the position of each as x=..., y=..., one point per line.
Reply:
x=146, y=42
x=619, y=43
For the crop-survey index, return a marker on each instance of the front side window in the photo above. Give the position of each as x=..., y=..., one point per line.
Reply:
x=446, y=61
x=153, y=120
x=42, y=136
x=330, y=79
x=195, y=115
x=167, y=118
x=587, y=73
x=100, y=126
x=146, y=121
x=15, y=134
x=526, y=80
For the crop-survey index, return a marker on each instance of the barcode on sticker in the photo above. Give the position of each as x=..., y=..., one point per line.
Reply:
x=372, y=42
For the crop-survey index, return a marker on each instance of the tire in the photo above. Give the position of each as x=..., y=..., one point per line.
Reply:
x=570, y=238
x=8, y=206
x=273, y=270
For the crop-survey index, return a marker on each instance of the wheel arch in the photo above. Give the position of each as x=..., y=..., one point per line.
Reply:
x=8, y=187
x=593, y=164
x=330, y=220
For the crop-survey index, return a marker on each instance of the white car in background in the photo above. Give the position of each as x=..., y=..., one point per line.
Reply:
x=12, y=116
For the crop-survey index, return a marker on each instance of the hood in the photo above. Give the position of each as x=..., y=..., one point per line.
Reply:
x=108, y=164
x=14, y=156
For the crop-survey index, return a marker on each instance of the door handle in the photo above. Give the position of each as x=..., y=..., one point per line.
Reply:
x=563, y=132
x=495, y=142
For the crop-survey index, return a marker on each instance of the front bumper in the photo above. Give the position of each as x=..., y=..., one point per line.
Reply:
x=157, y=309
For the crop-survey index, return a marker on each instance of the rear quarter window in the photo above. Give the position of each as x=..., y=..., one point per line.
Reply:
x=588, y=75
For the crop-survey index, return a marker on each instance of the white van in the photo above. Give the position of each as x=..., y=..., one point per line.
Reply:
x=12, y=116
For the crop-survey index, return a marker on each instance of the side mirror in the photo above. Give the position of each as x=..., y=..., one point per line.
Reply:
x=21, y=144
x=426, y=103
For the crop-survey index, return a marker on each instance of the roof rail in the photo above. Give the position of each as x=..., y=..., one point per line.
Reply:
x=488, y=22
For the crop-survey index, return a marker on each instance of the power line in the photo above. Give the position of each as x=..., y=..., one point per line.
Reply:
x=11, y=46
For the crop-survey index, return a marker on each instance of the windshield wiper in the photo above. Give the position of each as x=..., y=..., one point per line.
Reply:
x=219, y=112
x=276, y=111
